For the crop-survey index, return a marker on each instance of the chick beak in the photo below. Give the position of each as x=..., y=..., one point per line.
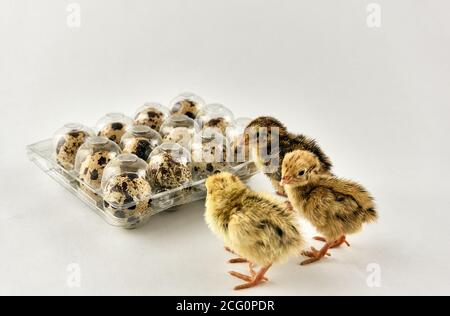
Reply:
x=285, y=181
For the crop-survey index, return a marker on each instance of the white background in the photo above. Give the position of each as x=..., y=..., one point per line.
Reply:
x=377, y=100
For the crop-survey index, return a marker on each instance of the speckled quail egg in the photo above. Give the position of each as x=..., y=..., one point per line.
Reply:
x=126, y=189
x=92, y=158
x=113, y=126
x=187, y=104
x=215, y=116
x=141, y=140
x=152, y=115
x=67, y=141
x=169, y=167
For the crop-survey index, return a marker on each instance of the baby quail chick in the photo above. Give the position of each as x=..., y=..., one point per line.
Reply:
x=261, y=145
x=254, y=226
x=336, y=207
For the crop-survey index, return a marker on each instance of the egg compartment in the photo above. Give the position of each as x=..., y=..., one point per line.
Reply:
x=113, y=126
x=66, y=142
x=179, y=129
x=91, y=160
x=188, y=104
x=126, y=189
x=209, y=154
x=169, y=167
x=152, y=114
x=141, y=140
x=215, y=116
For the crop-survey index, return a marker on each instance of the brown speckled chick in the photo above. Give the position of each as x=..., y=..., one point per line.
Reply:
x=254, y=226
x=288, y=142
x=336, y=207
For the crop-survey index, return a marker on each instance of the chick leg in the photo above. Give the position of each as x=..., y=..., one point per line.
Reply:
x=257, y=279
x=316, y=255
x=251, y=267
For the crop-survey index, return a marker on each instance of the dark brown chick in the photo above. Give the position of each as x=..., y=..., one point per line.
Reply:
x=259, y=136
x=336, y=207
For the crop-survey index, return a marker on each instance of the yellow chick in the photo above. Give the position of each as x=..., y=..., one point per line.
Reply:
x=254, y=226
x=265, y=131
x=336, y=207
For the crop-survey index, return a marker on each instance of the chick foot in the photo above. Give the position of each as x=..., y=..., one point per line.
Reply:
x=337, y=243
x=251, y=282
x=246, y=277
x=315, y=255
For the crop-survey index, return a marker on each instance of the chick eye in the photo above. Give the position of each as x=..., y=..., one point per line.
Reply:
x=301, y=173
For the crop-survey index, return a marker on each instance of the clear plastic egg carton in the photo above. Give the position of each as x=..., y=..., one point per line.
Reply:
x=101, y=169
